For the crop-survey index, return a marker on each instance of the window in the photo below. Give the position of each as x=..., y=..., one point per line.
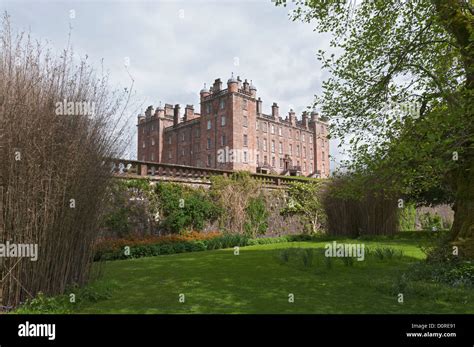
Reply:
x=311, y=139
x=209, y=125
x=169, y=139
x=258, y=158
x=245, y=157
x=297, y=150
x=265, y=160
x=222, y=103
x=152, y=127
x=304, y=166
x=302, y=137
x=279, y=131
x=208, y=143
x=246, y=140
x=310, y=167
x=304, y=151
x=256, y=124
x=289, y=133
x=264, y=127
x=265, y=145
x=144, y=144
x=281, y=163
x=273, y=161
x=322, y=143
x=273, y=146
x=198, y=132
x=170, y=155
x=245, y=104
x=280, y=149
x=291, y=149
x=152, y=156
x=223, y=140
x=208, y=160
x=272, y=129
x=297, y=135
x=183, y=152
x=152, y=141
x=246, y=121
x=208, y=108
x=183, y=137
x=324, y=157
x=223, y=121
x=197, y=147
x=143, y=158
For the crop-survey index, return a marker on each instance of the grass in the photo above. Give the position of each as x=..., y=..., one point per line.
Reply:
x=261, y=277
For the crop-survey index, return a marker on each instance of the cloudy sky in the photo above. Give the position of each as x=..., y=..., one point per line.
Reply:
x=174, y=47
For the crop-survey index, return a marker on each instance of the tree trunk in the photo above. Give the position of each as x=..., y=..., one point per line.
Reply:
x=462, y=231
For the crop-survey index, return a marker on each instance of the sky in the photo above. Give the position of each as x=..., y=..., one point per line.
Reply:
x=173, y=47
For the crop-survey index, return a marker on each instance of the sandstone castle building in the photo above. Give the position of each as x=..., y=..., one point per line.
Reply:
x=231, y=132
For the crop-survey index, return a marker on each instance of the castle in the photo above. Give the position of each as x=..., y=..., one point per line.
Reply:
x=231, y=132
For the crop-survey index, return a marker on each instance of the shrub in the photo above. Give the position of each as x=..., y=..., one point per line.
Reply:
x=431, y=221
x=257, y=215
x=407, y=218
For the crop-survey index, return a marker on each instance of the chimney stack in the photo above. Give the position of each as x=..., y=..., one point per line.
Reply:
x=275, y=110
x=259, y=106
x=176, y=115
x=188, y=112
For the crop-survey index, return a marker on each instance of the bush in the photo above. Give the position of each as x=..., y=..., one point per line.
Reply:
x=407, y=218
x=431, y=221
x=257, y=215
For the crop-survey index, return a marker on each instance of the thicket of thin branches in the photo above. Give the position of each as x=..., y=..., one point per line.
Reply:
x=53, y=166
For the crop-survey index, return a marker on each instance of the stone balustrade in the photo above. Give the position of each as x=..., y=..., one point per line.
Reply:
x=134, y=169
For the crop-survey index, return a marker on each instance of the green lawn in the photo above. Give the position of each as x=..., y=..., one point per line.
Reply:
x=255, y=281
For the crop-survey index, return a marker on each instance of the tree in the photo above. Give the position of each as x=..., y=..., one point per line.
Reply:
x=401, y=94
x=305, y=199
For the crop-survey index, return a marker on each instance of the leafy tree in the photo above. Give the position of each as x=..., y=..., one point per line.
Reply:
x=400, y=96
x=305, y=199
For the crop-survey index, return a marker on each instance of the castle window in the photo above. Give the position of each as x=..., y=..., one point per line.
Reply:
x=279, y=131
x=152, y=156
x=311, y=167
x=297, y=135
x=272, y=129
x=208, y=160
x=223, y=140
x=183, y=137
x=144, y=144
x=258, y=158
x=304, y=166
x=324, y=157
x=273, y=161
x=303, y=137
x=245, y=104
x=246, y=121
x=143, y=158
x=209, y=125
x=281, y=163
x=169, y=139
x=198, y=132
x=264, y=127
x=280, y=149
x=197, y=147
x=273, y=146
x=245, y=157
x=291, y=149
x=298, y=163
x=152, y=141
x=265, y=160
x=322, y=143
x=246, y=140
x=222, y=103
x=170, y=155
x=183, y=152
x=222, y=120
x=208, y=108
x=297, y=150
x=304, y=152
x=265, y=145
x=256, y=124
x=208, y=143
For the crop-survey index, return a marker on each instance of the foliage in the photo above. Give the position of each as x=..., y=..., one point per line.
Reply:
x=257, y=217
x=407, y=218
x=401, y=96
x=431, y=221
x=234, y=195
x=306, y=199
x=183, y=208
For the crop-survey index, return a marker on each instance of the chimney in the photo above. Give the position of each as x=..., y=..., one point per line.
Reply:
x=168, y=110
x=275, y=110
x=246, y=86
x=188, y=112
x=291, y=117
x=217, y=86
x=148, y=111
x=259, y=106
x=141, y=118
x=314, y=116
x=304, y=119
x=176, y=115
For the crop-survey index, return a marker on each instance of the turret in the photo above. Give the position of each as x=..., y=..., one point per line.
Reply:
x=232, y=84
x=275, y=110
